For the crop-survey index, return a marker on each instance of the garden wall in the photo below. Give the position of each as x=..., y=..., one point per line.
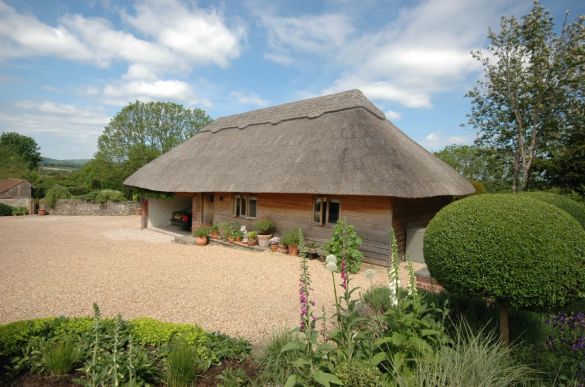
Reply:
x=20, y=202
x=76, y=207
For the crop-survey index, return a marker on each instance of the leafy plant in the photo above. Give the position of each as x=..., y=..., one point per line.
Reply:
x=201, y=232
x=225, y=229
x=276, y=364
x=105, y=195
x=290, y=238
x=222, y=347
x=59, y=357
x=19, y=211
x=359, y=373
x=233, y=377
x=377, y=297
x=264, y=226
x=567, y=342
x=183, y=364
x=344, y=244
x=55, y=193
x=148, y=331
x=5, y=210
x=252, y=235
x=214, y=228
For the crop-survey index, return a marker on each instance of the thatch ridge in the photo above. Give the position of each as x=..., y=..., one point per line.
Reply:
x=336, y=145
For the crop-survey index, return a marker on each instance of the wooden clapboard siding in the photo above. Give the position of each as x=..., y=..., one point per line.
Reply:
x=414, y=213
x=371, y=216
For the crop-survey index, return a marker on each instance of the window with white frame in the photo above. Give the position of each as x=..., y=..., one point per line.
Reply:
x=326, y=211
x=245, y=206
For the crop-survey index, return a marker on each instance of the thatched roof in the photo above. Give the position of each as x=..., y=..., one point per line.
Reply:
x=336, y=144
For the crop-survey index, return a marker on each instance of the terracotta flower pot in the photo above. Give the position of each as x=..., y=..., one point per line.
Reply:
x=273, y=247
x=42, y=211
x=214, y=235
x=251, y=242
x=231, y=239
x=201, y=241
x=293, y=250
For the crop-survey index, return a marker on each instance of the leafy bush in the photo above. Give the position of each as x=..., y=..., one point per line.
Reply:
x=233, y=377
x=358, y=373
x=14, y=336
x=291, y=238
x=516, y=249
x=183, y=364
x=345, y=243
x=19, y=211
x=222, y=347
x=109, y=195
x=276, y=364
x=377, y=297
x=5, y=210
x=60, y=357
x=575, y=209
x=252, y=235
x=55, y=193
x=479, y=187
x=148, y=331
x=201, y=232
x=264, y=226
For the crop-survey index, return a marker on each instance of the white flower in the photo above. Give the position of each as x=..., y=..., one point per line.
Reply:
x=331, y=258
x=370, y=273
x=331, y=266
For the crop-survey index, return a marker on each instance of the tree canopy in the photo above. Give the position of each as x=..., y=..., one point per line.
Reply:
x=23, y=147
x=529, y=104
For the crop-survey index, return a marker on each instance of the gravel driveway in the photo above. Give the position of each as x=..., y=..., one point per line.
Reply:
x=59, y=265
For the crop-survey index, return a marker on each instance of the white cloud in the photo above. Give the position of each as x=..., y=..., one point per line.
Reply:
x=122, y=92
x=437, y=140
x=249, y=99
x=180, y=37
x=279, y=58
x=392, y=115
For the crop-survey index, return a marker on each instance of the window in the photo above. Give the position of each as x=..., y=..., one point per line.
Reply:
x=245, y=206
x=326, y=210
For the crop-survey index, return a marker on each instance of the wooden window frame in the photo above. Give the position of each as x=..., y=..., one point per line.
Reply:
x=324, y=210
x=244, y=205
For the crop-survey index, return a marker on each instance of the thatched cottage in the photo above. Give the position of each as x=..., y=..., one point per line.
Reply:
x=307, y=164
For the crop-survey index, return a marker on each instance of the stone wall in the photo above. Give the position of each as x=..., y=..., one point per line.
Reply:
x=21, y=202
x=76, y=207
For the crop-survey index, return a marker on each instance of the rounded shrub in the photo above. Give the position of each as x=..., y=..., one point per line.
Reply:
x=55, y=193
x=5, y=210
x=575, y=209
x=358, y=373
x=520, y=251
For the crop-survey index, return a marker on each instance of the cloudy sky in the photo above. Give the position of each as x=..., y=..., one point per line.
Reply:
x=68, y=66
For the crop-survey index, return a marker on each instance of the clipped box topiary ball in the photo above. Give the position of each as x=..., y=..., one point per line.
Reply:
x=522, y=252
x=575, y=209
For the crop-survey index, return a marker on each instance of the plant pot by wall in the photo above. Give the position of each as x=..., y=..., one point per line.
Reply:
x=263, y=240
x=42, y=211
x=251, y=242
x=201, y=241
x=214, y=235
x=273, y=247
x=293, y=250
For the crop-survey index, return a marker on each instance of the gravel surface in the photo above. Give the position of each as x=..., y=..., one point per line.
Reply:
x=60, y=265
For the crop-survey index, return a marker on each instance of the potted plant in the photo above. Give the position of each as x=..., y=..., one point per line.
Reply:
x=237, y=235
x=274, y=243
x=312, y=247
x=252, y=238
x=264, y=227
x=42, y=207
x=214, y=231
x=201, y=235
x=291, y=239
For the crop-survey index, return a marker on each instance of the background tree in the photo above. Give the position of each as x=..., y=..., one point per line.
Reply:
x=485, y=165
x=12, y=164
x=138, y=134
x=23, y=146
x=521, y=107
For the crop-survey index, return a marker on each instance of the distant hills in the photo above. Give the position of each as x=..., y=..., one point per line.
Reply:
x=65, y=164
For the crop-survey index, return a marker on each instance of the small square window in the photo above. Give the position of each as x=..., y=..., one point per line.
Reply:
x=326, y=210
x=245, y=206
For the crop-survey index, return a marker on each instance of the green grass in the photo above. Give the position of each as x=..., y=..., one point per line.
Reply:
x=60, y=357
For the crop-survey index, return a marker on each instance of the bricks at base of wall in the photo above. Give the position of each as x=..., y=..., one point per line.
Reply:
x=425, y=282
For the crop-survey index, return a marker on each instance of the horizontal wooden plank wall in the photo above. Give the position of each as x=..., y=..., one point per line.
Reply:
x=414, y=213
x=371, y=216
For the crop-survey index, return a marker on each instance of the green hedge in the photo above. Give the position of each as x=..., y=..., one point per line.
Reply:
x=513, y=248
x=5, y=210
x=575, y=209
x=153, y=332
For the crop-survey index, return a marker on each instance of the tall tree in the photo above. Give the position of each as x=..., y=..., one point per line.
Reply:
x=24, y=146
x=156, y=126
x=519, y=107
x=138, y=134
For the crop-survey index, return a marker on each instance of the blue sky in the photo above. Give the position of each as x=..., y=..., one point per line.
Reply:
x=68, y=66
